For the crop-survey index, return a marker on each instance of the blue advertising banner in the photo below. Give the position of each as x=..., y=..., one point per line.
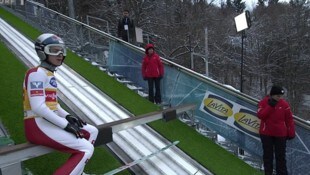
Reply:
x=222, y=109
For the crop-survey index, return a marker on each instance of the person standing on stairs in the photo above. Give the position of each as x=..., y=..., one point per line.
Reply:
x=126, y=28
x=153, y=72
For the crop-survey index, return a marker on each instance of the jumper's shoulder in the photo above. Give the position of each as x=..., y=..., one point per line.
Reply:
x=37, y=73
x=31, y=70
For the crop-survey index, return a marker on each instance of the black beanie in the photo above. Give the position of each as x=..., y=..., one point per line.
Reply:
x=276, y=90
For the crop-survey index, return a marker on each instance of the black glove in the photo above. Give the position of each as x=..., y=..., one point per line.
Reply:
x=74, y=120
x=144, y=78
x=74, y=130
x=272, y=102
x=289, y=138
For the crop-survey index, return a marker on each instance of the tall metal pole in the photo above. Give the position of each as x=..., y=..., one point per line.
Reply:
x=241, y=151
x=71, y=9
x=190, y=51
x=241, y=74
x=206, y=52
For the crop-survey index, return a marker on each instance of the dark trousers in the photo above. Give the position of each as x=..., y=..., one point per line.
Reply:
x=157, y=97
x=125, y=36
x=274, y=146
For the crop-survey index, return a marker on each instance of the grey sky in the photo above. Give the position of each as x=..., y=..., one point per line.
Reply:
x=251, y=3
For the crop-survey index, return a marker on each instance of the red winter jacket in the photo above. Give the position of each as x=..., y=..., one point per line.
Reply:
x=152, y=67
x=276, y=121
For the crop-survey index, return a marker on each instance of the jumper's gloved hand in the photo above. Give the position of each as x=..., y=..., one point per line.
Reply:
x=272, y=102
x=74, y=120
x=74, y=130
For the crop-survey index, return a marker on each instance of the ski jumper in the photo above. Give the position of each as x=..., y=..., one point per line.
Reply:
x=45, y=121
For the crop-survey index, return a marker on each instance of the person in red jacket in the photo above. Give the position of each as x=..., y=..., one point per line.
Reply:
x=277, y=125
x=152, y=71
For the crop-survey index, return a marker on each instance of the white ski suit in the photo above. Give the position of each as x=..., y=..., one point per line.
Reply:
x=45, y=121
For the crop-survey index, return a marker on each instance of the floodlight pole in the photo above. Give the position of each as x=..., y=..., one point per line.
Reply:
x=241, y=20
x=241, y=74
x=71, y=9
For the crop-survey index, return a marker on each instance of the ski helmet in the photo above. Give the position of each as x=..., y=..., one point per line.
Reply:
x=46, y=42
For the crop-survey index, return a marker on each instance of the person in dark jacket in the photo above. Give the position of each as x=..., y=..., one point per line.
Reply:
x=126, y=28
x=152, y=71
x=277, y=125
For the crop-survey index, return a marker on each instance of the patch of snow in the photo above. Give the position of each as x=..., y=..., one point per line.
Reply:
x=220, y=138
x=102, y=68
x=231, y=87
x=106, y=54
x=94, y=64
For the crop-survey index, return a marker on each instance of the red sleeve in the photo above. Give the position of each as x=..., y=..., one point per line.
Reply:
x=263, y=110
x=143, y=67
x=289, y=121
x=160, y=67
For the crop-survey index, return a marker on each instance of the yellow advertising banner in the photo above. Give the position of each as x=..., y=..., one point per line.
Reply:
x=233, y=114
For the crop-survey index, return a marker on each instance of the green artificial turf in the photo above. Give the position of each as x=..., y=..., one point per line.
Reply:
x=203, y=150
x=11, y=107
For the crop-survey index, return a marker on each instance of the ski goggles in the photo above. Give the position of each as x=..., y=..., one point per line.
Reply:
x=55, y=49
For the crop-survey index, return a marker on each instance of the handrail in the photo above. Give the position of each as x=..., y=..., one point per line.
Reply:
x=301, y=122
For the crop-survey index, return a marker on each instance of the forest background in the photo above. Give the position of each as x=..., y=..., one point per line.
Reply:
x=275, y=48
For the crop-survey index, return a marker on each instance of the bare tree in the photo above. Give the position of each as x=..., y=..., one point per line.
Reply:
x=276, y=46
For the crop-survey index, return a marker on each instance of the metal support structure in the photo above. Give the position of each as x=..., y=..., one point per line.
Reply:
x=147, y=37
x=99, y=19
x=205, y=59
x=12, y=156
